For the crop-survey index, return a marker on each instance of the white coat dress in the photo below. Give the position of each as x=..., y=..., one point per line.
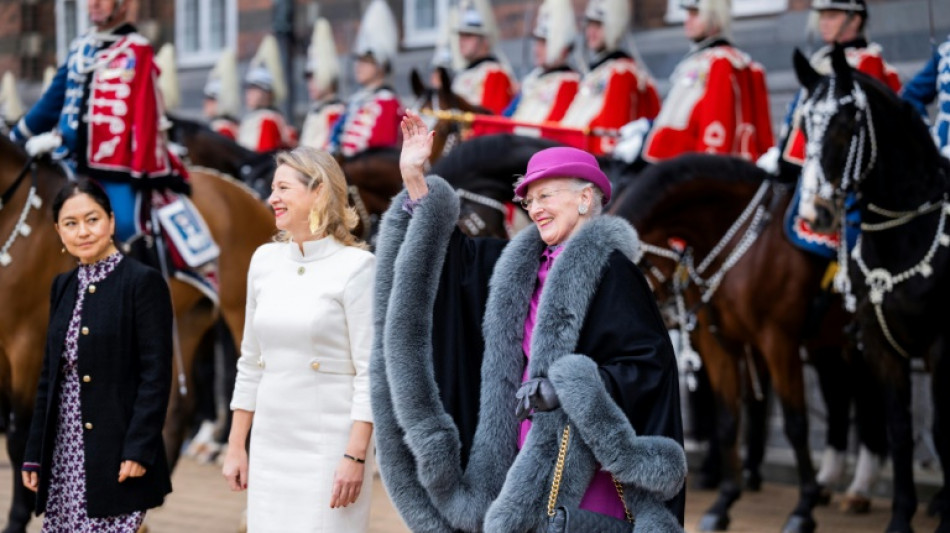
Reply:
x=304, y=372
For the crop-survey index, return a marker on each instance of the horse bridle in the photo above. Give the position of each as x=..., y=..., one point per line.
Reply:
x=32, y=201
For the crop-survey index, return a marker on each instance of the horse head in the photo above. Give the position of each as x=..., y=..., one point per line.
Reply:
x=862, y=141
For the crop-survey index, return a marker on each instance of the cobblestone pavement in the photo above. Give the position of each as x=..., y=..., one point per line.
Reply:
x=202, y=503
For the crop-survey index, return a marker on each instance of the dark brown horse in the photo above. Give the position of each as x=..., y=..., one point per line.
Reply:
x=876, y=148
x=239, y=223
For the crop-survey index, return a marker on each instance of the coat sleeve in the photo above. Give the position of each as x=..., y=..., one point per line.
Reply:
x=249, y=370
x=358, y=309
x=43, y=116
x=153, y=324
x=34, y=444
x=922, y=89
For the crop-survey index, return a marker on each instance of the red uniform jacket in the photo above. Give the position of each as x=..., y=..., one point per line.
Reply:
x=546, y=95
x=718, y=104
x=124, y=113
x=486, y=83
x=371, y=120
x=615, y=92
x=264, y=130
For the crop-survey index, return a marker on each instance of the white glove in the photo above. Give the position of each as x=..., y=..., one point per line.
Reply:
x=43, y=143
x=769, y=161
x=945, y=151
x=630, y=144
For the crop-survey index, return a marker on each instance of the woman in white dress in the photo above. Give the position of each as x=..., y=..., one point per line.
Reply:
x=303, y=374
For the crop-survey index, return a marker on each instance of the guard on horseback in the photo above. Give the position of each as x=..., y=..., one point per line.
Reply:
x=323, y=79
x=718, y=102
x=101, y=116
x=372, y=113
x=264, y=128
x=840, y=22
x=548, y=90
x=933, y=83
x=616, y=90
x=221, y=103
x=485, y=81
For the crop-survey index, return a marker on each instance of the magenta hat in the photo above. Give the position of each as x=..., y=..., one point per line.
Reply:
x=564, y=162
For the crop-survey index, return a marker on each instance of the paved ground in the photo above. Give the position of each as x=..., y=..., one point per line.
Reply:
x=202, y=503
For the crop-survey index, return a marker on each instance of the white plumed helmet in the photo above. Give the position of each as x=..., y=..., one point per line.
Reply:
x=223, y=83
x=322, y=60
x=556, y=26
x=10, y=104
x=168, y=76
x=716, y=13
x=266, y=70
x=476, y=17
x=614, y=15
x=378, y=35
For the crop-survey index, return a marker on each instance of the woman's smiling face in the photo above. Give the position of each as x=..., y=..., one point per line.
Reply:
x=552, y=204
x=291, y=201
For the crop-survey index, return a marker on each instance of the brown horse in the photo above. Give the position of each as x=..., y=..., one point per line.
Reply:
x=239, y=223
x=757, y=293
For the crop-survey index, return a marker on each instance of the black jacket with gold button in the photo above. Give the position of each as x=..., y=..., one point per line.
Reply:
x=124, y=365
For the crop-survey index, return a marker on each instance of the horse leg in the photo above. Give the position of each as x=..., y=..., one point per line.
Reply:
x=835, y=383
x=900, y=437
x=940, y=374
x=702, y=407
x=757, y=396
x=24, y=502
x=724, y=380
x=785, y=366
x=872, y=434
x=194, y=317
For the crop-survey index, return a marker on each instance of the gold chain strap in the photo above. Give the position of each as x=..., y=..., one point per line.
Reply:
x=559, y=471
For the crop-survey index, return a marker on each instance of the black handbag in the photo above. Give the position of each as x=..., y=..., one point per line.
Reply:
x=575, y=520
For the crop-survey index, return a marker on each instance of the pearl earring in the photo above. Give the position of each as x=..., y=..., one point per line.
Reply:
x=582, y=209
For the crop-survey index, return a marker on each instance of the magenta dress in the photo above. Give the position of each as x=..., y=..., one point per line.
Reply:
x=601, y=495
x=66, y=507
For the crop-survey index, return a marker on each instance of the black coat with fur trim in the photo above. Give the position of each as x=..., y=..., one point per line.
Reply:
x=443, y=300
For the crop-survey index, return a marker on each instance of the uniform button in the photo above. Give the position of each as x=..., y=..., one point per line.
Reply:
x=315, y=365
x=88, y=425
x=85, y=330
x=260, y=362
x=86, y=378
x=92, y=289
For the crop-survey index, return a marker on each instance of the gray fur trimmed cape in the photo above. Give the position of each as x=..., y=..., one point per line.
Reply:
x=501, y=489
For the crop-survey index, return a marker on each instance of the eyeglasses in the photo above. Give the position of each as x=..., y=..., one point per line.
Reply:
x=541, y=199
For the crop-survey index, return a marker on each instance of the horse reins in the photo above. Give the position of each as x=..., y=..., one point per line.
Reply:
x=32, y=200
x=685, y=272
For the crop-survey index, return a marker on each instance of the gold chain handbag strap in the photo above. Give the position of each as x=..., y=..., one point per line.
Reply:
x=559, y=471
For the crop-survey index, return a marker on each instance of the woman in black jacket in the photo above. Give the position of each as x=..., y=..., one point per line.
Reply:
x=95, y=454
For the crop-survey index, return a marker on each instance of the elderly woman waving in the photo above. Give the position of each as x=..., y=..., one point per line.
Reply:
x=552, y=342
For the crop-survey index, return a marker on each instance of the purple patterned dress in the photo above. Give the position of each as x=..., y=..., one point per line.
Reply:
x=66, y=507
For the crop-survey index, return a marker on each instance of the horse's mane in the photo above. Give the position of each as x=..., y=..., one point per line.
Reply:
x=652, y=186
x=496, y=158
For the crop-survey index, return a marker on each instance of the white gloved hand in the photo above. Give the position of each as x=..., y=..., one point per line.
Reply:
x=630, y=144
x=769, y=161
x=43, y=143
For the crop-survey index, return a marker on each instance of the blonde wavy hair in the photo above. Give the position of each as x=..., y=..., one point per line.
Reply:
x=331, y=214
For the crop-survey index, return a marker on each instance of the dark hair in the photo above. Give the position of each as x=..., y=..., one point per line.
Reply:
x=81, y=186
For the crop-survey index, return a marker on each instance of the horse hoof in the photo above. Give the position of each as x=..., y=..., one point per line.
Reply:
x=799, y=524
x=714, y=522
x=753, y=481
x=855, y=504
x=824, y=496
